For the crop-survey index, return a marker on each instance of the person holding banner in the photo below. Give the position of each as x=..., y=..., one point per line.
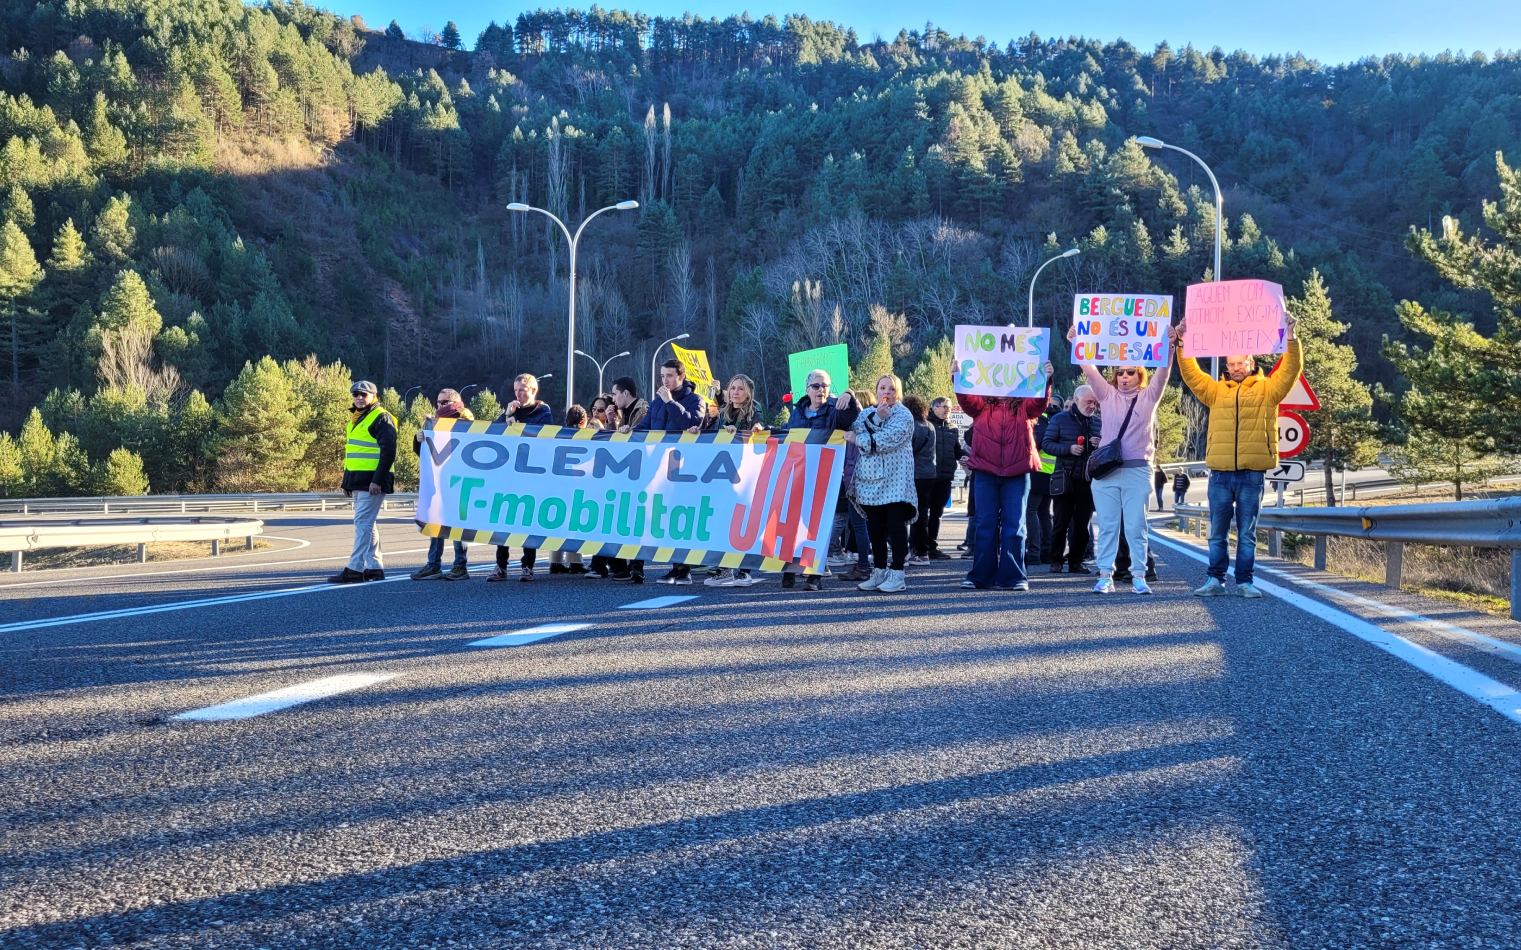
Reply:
x=1128, y=419
x=883, y=483
x=1242, y=448
x=450, y=406
x=1003, y=455
x=739, y=414
x=524, y=410
x=820, y=411
x=677, y=408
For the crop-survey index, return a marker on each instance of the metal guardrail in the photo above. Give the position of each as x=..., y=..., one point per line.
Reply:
x=1491, y=523
x=33, y=534
x=189, y=504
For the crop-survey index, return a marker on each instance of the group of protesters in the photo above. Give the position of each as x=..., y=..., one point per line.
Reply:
x=1065, y=483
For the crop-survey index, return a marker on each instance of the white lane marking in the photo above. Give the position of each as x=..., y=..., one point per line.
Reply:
x=197, y=570
x=285, y=698
x=182, y=605
x=530, y=635
x=1496, y=695
x=656, y=602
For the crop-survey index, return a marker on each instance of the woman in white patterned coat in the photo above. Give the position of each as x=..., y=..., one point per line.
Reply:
x=883, y=484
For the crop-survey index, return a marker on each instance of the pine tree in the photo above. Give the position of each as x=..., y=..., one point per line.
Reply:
x=193, y=424
x=104, y=142
x=38, y=451
x=12, y=473
x=394, y=31
x=450, y=37
x=1342, y=432
x=875, y=363
x=120, y=474
x=112, y=235
x=484, y=405
x=326, y=390
x=931, y=376
x=262, y=433
x=19, y=275
x=18, y=208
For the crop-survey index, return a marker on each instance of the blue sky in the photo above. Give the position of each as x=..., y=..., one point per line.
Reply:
x=1332, y=31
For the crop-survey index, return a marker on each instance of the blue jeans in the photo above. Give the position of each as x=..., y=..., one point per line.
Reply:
x=436, y=553
x=1000, y=510
x=1237, y=494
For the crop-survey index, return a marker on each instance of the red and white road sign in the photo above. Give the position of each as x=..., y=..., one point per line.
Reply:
x=1293, y=434
x=1301, y=396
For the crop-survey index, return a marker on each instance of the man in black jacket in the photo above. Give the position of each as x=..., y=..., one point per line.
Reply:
x=368, y=457
x=1038, y=503
x=948, y=452
x=527, y=410
x=1068, y=437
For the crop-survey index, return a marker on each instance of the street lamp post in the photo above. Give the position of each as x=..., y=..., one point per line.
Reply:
x=1073, y=252
x=654, y=375
x=1147, y=141
x=600, y=366
x=570, y=346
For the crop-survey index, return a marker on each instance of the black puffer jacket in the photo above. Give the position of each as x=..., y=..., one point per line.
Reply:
x=924, y=452
x=948, y=448
x=1061, y=435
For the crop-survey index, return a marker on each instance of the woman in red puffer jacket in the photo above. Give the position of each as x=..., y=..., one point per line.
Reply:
x=1003, y=456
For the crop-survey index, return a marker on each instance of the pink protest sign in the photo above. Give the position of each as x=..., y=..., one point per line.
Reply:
x=1234, y=318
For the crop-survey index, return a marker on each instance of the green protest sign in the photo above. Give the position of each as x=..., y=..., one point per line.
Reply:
x=834, y=360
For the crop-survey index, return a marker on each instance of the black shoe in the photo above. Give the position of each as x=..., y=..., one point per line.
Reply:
x=576, y=569
x=375, y=574
x=347, y=576
x=815, y=582
x=789, y=581
x=558, y=568
x=527, y=575
x=1078, y=570
x=1124, y=577
x=1151, y=575
x=666, y=577
x=939, y=555
x=1056, y=568
x=623, y=576
x=637, y=578
x=428, y=572
x=458, y=573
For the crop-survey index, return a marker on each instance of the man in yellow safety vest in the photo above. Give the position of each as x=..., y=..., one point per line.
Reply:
x=368, y=456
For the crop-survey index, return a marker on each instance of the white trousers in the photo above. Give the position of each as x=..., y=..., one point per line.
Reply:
x=1119, y=503
x=366, y=556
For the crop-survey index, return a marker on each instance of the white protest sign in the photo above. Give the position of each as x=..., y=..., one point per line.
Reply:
x=1121, y=329
x=1001, y=361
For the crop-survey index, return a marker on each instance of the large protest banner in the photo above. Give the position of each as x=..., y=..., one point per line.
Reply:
x=834, y=360
x=747, y=500
x=1001, y=361
x=1121, y=329
x=1234, y=318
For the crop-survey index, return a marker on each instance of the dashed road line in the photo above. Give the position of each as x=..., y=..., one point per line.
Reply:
x=276, y=700
x=182, y=605
x=531, y=635
x=655, y=603
x=1503, y=699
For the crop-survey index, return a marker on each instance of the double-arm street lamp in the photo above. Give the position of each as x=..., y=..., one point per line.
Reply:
x=1068, y=253
x=600, y=366
x=654, y=373
x=570, y=345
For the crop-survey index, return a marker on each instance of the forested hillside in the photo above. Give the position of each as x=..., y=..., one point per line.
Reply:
x=190, y=187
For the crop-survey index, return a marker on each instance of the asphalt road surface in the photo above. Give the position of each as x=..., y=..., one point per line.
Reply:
x=748, y=767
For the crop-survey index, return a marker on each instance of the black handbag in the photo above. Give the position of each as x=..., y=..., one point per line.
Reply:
x=1108, y=457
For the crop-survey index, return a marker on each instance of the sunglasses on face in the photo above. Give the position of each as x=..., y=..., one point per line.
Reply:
x=817, y=386
x=1127, y=372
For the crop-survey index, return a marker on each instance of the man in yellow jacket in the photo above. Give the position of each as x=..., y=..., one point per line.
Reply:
x=1243, y=447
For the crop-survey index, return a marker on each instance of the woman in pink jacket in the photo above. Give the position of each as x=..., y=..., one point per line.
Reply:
x=1119, y=498
x=1002, y=455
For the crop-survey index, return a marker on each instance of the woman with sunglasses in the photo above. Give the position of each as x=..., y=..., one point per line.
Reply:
x=1120, y=498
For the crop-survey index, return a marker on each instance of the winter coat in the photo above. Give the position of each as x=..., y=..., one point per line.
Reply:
x=741, y=421
x=684, y=411
x=1062, y=433
x=1005, y=433
x=1181, y=481
x=633, y=415
x=829, y=418
x=925, y=468
x=417, y=437
x=885, y=472
x=948, y=450
x=538, y=414
x=1159, y=480
x=1243, y=417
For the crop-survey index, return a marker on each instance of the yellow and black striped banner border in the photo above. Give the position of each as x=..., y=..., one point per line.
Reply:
x=587, y=549
x=588, y=434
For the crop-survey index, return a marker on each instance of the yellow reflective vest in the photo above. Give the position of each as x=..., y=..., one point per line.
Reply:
x=362, y=451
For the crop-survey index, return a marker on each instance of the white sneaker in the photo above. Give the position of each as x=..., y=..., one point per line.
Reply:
x=740, y=579
x=1212, y=588
x=719, y=580
x=841, y=560
x=918, y=560
x=877, y=579
x=894, y=582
